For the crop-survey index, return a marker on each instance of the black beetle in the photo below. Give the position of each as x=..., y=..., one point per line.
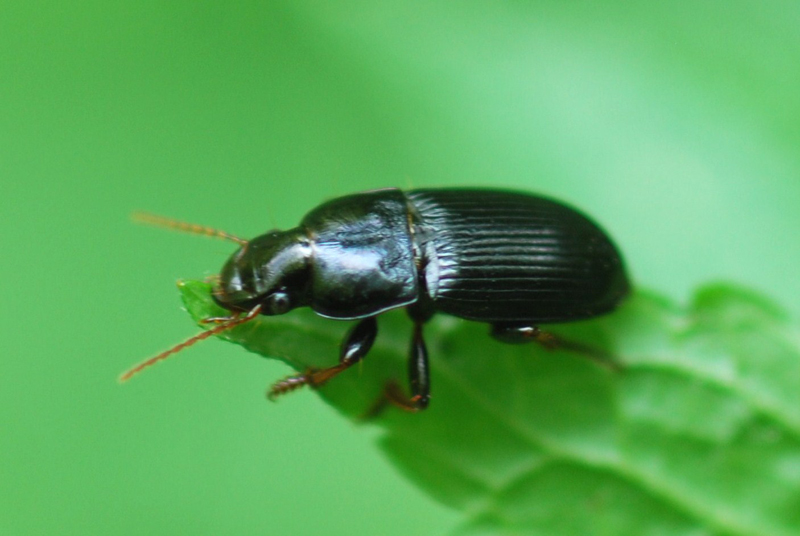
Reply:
x=510, y=259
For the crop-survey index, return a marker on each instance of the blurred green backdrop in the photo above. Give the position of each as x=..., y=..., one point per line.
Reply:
x=678, y=129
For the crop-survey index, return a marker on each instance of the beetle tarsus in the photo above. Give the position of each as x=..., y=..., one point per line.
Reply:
x=395, y=396
x=218, y=319
x=354, y=348
x=287, y=385
x=604, y=359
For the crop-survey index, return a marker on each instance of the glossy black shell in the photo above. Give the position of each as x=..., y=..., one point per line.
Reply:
x=509, y=259
x=499, y=256
x=487, y=255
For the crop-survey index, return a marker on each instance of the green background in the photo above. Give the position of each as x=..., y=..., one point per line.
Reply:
x=676, y=128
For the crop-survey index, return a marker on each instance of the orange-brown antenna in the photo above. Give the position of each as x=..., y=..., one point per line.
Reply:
x=169, y=223
x=235, y=321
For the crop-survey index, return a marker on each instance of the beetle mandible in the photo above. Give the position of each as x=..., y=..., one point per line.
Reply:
x=509, y=259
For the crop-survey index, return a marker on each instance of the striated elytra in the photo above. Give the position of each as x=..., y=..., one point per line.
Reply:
x=510, y=259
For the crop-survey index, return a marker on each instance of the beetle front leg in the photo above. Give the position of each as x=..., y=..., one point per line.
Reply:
x=218, y=319
x=354, y=348
x=522, y=333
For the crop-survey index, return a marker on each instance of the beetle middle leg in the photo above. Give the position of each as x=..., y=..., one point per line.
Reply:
x=354, y=348
x=418, y=379
x=523, y=333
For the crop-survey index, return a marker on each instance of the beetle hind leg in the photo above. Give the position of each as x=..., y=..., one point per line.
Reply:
x=354, y=348
x=524, y=333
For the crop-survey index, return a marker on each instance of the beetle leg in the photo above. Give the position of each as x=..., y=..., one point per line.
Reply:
x=218, y=319
x=418, y=379
x=355, y=347
x=521, y=333
x=418, y=372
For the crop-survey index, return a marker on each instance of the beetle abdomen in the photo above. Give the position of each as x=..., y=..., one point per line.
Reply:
x=497, y=256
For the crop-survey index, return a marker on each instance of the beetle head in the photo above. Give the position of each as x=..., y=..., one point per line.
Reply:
x=271, y=270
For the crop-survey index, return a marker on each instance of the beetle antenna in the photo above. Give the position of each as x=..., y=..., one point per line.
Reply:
x=235, y=321
x=169, y=223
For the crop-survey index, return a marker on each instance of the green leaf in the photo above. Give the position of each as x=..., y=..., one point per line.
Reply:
x=699, y=435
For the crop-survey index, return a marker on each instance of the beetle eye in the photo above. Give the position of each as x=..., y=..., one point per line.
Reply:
x=279, y=303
